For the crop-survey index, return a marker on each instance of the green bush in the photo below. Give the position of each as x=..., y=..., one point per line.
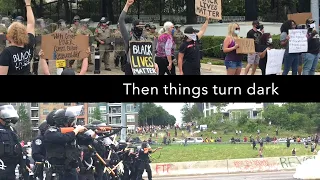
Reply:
x=212, y=45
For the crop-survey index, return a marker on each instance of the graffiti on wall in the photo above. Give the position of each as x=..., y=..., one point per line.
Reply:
x=163, y=168
x=254, y=165
x=293, y=162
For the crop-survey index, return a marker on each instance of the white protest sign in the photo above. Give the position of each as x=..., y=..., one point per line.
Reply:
x=274, y=61
x=298, y=42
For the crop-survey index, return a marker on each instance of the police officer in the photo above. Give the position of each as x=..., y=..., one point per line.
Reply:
x=144, y=161
x=103, y=36
x=38, y=148
x=84, y=30
x=62, y=27
x=3, y=42
x=10, y=149
x=19, y=19
x=178, y=36
x=119, y=52
x=39, y=31
x=153, y=34
x=147, y=27
x=61, y=148
x=76, y=24
x=129, y=158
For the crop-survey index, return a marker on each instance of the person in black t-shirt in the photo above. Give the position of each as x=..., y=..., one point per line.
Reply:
x=189, y=51
x=265, y=45
x=15, y=59
x=253, y=59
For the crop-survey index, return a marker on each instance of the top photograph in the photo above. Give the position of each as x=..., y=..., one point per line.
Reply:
x=163, y=37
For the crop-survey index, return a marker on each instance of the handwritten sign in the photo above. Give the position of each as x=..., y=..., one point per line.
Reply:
x=61, y=63
x=141, y=58
x=246, y=46
x=211, y=8
x=300, y=18
x=298, y=41
x=274, y=61
x=65, y=46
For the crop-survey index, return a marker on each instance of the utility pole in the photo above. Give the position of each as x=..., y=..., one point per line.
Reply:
x=123, y=123
x=315, y=12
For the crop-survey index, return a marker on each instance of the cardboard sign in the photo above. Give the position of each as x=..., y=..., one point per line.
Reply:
x=300, y=18
x=274, y=61
x=65, y=46
x=298, y=42
x=141, y=58
x=246, y=46
x=211, y=8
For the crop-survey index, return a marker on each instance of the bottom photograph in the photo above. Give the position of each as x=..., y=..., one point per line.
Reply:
x=177, y=141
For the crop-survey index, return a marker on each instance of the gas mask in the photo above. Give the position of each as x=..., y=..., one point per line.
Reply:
x=8, y=114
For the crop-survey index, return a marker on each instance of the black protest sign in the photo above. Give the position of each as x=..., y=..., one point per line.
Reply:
x=141, y=58
x=211, y=8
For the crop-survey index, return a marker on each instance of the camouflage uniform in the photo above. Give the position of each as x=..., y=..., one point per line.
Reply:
x=178, y=37
x=104, y=34
x=119, y=51
x=74, y=28
x=3, y=31
x=90, y=34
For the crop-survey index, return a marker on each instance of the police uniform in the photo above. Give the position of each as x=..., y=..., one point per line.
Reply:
x=119, y=51
x=88, y=33
x=10, y=149
x=104, y=34
x=144, y=162
x=178, y=37
x=74, y=28
x=3, y=31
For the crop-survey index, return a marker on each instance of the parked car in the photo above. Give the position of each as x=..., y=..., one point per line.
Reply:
x=192, y=140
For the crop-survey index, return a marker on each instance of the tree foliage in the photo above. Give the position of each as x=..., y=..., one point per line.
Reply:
x=24, y=125
x=97, y=114
x=190, y=114
x=151, y=114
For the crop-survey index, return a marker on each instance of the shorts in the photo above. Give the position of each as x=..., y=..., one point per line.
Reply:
x=233, y=64
x=253, y=58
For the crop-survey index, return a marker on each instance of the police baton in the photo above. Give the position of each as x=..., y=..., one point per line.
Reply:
x=110, y=171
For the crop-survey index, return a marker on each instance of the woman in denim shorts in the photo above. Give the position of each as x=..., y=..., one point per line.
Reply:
x=233, y=60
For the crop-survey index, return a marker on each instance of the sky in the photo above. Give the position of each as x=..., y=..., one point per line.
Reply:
x=173, y=109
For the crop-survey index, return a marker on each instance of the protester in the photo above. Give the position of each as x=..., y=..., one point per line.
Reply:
x=253, y=59
x=312, y=57
x=233, y=60
x=136, y=31
x=67, y=71
x=165, y=50
x=265, y=45
x=15, y=59
x=189, y=52
x=291, y=60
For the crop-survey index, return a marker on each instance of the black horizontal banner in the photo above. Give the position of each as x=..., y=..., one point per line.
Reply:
x=105, y=88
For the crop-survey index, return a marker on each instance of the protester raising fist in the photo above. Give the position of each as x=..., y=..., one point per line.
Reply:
x=130, y=2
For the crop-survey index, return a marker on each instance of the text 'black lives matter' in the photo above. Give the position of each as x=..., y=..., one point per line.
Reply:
x=141, y=58
x=106, y=88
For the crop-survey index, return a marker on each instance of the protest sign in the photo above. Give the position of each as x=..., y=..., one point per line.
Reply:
x=298, y=42
x=211, y=8
x=274, y=61
x=246, y=46
x=65, y=46
x=300, y=18
x=141, y=58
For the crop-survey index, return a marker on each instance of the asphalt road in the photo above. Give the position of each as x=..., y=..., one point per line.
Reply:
x=283, y=175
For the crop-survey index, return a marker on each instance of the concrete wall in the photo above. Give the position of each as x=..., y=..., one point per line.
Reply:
x=228, y=166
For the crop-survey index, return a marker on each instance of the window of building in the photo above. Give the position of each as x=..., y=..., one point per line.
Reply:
x=90, y=119
x=34, y=113
x=115, y=120
x=115, y=109
x=91, y=110
x=79, y=103
x=45, y=112
x=34, y=105
x=130, y=108
x=35, y=123
x=104, y=118
x=67, y=104
x=103, y=109
x=130, y=118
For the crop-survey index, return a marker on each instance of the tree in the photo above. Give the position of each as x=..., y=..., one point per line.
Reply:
x=151, y=114
x=97, y=114
x=24, y=125
x=190, y=114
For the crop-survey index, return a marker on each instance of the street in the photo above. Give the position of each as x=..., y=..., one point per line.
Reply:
x=281, y=175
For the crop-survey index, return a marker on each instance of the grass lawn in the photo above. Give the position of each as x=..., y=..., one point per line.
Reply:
x=214, y=151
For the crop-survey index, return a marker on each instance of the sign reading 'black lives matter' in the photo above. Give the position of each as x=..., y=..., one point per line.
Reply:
x=211, y=8
x=141, y=58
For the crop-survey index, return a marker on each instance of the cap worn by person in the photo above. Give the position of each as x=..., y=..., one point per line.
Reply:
x=189, y=30
x=178, y=26
x=310, y=21
x=137, y=23
x=68, y=71
x=153, y=27
x=256, y=22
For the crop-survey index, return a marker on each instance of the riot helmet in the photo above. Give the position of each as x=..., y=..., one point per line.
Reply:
x=40, y=23
x=19, y=19
x=153, y=28
x=8, y=114
x=123, y=146
x=137, y=28
x=43, y=127
x=62, y=24
x=144, y=144
x=85, y=22
x=49, y=119
x=6, y=21
x=64, y=118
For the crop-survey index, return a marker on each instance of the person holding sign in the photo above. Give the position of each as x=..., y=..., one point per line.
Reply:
x=165, y=50
x=265, y=45
x=189, y=52
x=233, y=61
x=312, y=57
x=136, y=35
x=15, y=59
x=291, y=60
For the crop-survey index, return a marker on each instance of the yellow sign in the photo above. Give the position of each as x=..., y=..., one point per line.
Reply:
x=61, y=63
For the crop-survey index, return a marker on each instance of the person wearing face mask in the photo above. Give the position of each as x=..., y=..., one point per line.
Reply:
x=290, y=60
x=265, y=45
x=62, y=27
x=189, y=51
x=22, y=40
x=136, y=31
x=233, y=61
x=312, y=56
x=103, y=36
x=253, y=59
x=165, y=50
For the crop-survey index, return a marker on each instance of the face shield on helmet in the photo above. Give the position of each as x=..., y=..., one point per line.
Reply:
x=72, y=113
x=8, y=114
